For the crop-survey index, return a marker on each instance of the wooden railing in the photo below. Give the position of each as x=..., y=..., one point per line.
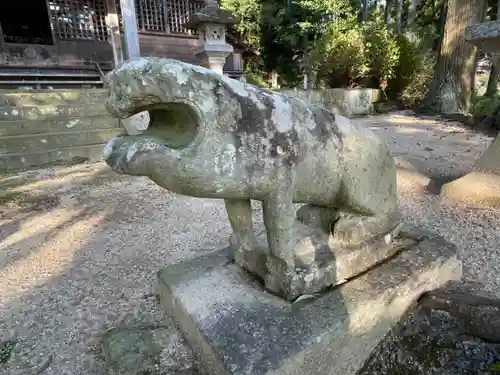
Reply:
x=86, y=19
x=79, y=19
x=165, y=16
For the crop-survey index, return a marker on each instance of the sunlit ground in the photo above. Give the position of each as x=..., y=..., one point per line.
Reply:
x=80, y=246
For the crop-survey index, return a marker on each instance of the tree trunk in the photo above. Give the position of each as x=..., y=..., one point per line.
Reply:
x=399, y=11
x=412, y=13
x=492, y=87
x=364, y=10
x=388, y=11
x=453, y=81
x=442, y=21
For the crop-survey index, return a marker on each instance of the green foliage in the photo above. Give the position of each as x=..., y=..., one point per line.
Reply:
x=285, y=30
x=484, y=105
x=382, y=50
x=414, y=69
x=494, y=367
x=429, y=20
x=416, y=86
x=255, y=74
x=326, y=40
x=348, y=53
x=289, y=31
x=339, y=55
x=6, y=348
x=249, y=12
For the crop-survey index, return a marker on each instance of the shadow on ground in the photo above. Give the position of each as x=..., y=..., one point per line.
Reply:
x=74, y=269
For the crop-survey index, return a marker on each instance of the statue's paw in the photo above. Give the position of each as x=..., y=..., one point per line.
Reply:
x=350, y=230
x=347, y=236
x=355, y=230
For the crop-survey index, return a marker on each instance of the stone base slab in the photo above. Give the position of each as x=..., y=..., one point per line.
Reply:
x=320, y=261
x=236, y=327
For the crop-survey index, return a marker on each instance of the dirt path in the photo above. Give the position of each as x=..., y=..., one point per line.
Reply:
x=80, y=246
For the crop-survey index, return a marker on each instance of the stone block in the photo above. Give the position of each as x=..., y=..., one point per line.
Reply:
x=28, y=127
x=484, y=35
x=53, y=141
x=51, y=112
x=63, y=155
x=40, y=127
x=137, y=123
x=236, y=327
x=49, y=97
x=350, y=102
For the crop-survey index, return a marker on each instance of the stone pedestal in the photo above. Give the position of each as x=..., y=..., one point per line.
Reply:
x=236, y=327
x=211, y=22
x=482, y=185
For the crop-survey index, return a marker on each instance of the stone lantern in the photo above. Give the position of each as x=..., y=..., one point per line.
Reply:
x=211, y=22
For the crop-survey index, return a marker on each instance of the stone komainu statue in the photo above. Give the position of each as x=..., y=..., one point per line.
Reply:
x=214, y=137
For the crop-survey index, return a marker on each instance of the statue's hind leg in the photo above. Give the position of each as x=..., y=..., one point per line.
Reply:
x=369, y=199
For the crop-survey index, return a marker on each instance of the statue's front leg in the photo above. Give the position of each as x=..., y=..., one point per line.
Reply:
x=279, y=217
x=239, y=212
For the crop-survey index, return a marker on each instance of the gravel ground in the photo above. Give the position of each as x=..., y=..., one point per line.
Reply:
x=80, y=246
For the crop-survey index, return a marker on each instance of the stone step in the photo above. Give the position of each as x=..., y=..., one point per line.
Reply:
x=29, y=127
x=52, y=97
x=51, y=112
x=22, y=144
x=78, y=154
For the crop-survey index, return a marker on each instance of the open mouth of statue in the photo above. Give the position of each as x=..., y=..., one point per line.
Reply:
x=172, y=126
x=175, y=124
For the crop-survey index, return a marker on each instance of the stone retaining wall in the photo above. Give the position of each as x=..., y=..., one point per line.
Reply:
x=44, y=127
x=350, y=102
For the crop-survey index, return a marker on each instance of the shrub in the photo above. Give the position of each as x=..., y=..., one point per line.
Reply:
x=485, y=110
x=371, y=53
x=339, y=56
x=415, y=69
x=417, y=84
x=409, y=60
x=484, y=105
x=382, y=51
x=254, y=72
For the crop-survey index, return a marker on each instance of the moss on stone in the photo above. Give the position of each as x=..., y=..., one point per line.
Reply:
x=6, y=348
